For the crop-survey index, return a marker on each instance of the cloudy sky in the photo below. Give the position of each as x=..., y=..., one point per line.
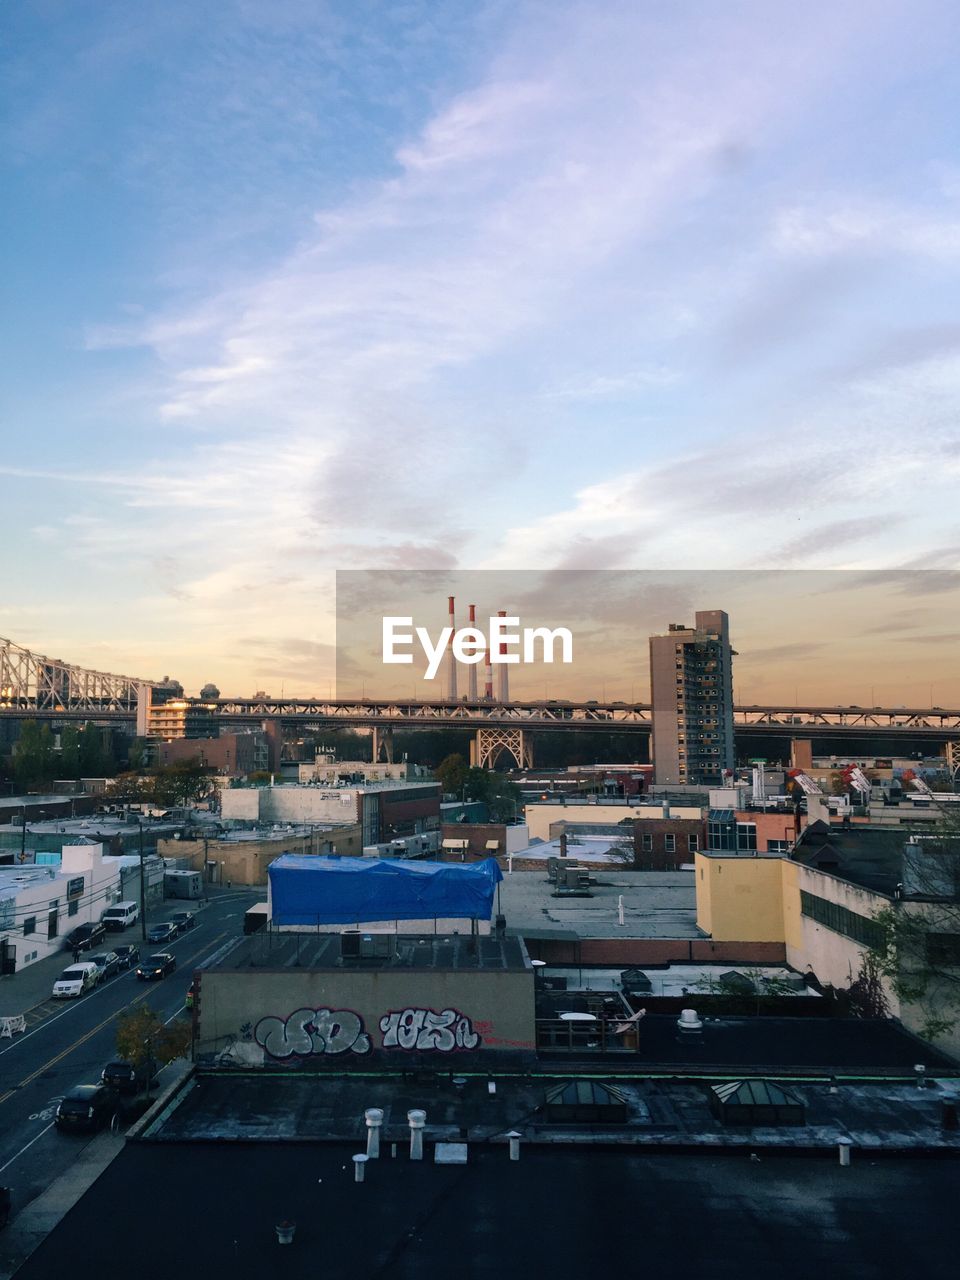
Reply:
x=509, y=284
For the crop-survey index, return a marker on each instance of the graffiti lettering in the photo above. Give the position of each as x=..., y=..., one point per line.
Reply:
x=426, y=1029
x=312, y=1031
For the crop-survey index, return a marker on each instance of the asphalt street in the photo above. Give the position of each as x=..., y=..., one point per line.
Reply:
x=75, y=1038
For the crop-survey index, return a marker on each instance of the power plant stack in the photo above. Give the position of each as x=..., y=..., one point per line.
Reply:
x=472, y=670
x=451, y=660
x=503, y=694
x=487, y=677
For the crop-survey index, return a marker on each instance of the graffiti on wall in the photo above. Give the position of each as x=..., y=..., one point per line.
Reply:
x=426, y=1029
x=308, y=1032
x=312, y=1031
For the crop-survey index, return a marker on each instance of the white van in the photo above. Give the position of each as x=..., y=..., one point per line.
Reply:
x=120, y=916
x=76, y=980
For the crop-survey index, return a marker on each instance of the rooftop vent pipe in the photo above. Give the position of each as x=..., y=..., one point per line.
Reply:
x=374, y=1119
x=416, y=1119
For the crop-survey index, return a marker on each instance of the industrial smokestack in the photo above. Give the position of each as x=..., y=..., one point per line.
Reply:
x=503, y=694
x=451, y=660
x=472, y=673
x=487, y=677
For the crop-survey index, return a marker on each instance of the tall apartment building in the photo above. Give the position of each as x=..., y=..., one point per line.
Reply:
x=691, y=680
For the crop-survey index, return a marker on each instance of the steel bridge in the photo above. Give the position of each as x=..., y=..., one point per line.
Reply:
x=31, y=682
x=35, y=686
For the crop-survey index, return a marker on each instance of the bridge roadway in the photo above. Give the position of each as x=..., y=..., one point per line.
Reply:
x=749, y=720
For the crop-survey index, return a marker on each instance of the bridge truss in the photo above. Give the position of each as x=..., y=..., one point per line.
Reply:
x=33, y=683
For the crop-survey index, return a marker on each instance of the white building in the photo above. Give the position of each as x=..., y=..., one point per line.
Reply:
x=40, y=905
x=326, y=770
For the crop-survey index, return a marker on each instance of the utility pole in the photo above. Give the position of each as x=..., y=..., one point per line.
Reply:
x=143, y=885
x=23, y=834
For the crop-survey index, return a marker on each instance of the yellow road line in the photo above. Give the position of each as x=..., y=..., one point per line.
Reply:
x=87, y=1035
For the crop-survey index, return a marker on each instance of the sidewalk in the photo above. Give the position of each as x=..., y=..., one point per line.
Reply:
x=29, y=987
x=34, y=1223
x=36, y=1220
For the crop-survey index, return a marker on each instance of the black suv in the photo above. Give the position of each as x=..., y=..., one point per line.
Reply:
x=85, y=936
x=88, y=1106
x=184, y=920
x=124, y=1077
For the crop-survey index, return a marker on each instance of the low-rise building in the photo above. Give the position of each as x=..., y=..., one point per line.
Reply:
x=232, y=755
x=823, y=903
x=41, y=904
x=327, y=770
x=242, y=857
x=383, y=809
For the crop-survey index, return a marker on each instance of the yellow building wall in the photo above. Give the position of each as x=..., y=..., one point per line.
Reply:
x=740, y=899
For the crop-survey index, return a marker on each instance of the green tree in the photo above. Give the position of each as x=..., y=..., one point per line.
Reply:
x=131, y=787
x=137, y=755
x=451, y=773
x=144, y=1040
x=180, y=782
x=33, y=756
x=92, y=754
x=917, y=938
x=500, y=795
x=70, y=752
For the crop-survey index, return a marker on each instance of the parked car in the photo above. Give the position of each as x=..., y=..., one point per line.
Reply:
x=76, y=980
x=121, y=915
x=157, y=966
x=184, y=920
x=128, y=954
x=86, y=1107
x=164, y=932
x=125, y=1078
x=108, y=962
x=85, y=936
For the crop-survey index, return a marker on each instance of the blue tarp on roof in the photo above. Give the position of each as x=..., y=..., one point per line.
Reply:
x=311, y=890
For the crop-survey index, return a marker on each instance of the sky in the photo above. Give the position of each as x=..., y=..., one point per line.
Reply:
x=511, y=285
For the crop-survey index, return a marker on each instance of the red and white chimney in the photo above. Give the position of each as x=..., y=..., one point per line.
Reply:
x=451, y=660
x=487, y=677
x=472, y=670
x=503, y=694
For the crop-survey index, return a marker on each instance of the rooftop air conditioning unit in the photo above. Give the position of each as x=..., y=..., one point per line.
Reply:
x=350, y=945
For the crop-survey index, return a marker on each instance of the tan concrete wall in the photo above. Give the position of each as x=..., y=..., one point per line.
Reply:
x=246, y=861
x=540, y=816
x=740, y=899
x=265, y=1014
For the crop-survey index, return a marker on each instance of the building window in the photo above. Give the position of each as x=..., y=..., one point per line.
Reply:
x=73, y=908
x=721, y=836
x=670, y=842
x=693, y=843
x=646, y=843
x=29, y=925
x=778, y=846
x=746, y=835
x=841, y=920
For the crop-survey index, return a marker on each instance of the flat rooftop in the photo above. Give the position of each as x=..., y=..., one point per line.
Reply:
x=657, y=904
x=271, y=949
x=606, y=848
x=563, y=1213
